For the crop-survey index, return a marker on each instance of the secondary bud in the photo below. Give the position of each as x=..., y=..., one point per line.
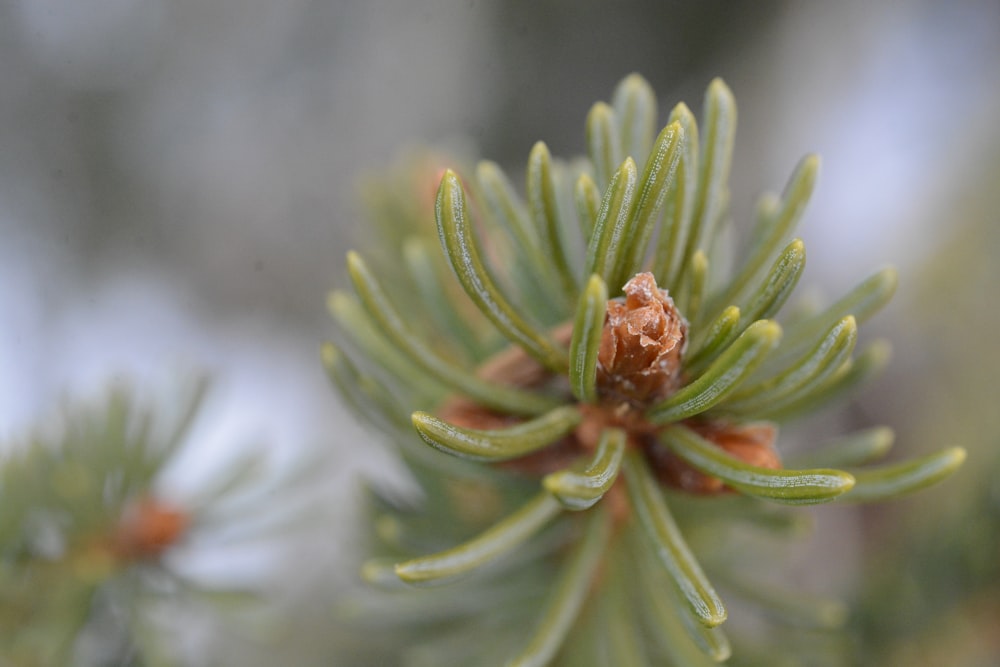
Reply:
x=644, y=336
x=750, y=443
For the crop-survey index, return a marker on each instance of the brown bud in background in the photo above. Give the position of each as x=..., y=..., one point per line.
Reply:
x=149, y=528
x=639, y=361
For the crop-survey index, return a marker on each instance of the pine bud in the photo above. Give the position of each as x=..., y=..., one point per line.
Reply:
x=641, y=347
x=148, y=529
x=751, y=443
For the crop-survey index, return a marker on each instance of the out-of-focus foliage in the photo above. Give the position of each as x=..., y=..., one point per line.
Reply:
x=938, y=562
x=87, y=531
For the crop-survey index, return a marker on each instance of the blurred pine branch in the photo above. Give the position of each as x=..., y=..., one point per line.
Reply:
x=87, y=530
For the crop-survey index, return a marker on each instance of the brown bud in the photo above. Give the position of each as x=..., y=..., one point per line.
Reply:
x=514, y=368
x=148, y=528
x=750, y=443
x=510, y=367
x=641, y=346
x=466, y=413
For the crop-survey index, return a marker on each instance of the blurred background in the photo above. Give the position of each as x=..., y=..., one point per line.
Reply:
x=179, y=184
